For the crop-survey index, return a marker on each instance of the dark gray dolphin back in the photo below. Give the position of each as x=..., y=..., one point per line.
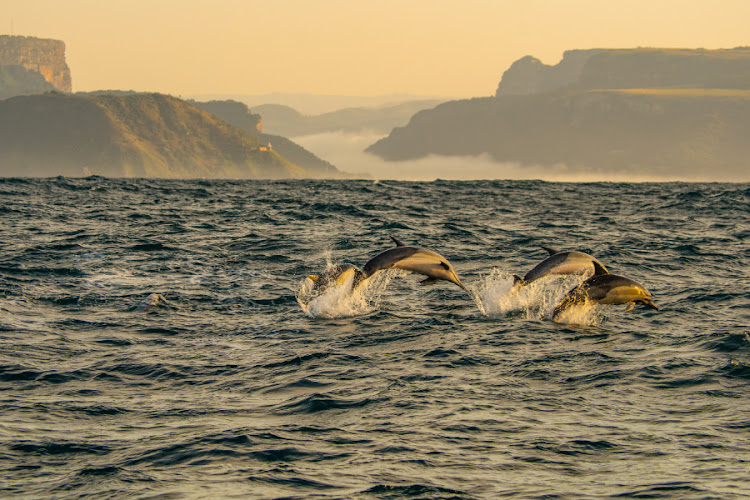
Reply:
x=385, y=260
x=562, y=263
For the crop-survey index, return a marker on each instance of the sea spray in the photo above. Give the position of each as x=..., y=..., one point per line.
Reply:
x=343, y=299
x=586, y=313
x=496, y=295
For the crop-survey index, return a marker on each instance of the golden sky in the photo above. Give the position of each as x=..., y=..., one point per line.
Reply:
x=350, y=47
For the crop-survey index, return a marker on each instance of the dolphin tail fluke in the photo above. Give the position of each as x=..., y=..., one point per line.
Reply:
x=551, y=251
x=313, y=277
x=599, y=268
x=398, y=242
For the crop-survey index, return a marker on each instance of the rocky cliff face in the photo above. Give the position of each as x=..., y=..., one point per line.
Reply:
x=47, y=57
x=630, y=68
x=529, y=75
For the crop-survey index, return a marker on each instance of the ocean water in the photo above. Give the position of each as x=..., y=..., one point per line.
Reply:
x=158, y=339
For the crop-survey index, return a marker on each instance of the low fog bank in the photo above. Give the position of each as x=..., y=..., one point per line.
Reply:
x=346, y=152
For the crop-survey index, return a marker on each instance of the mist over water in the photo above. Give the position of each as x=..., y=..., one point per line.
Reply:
x=160, y=339
x=347, y=152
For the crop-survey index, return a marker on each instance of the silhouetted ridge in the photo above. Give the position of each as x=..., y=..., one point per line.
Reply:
x=640, y=111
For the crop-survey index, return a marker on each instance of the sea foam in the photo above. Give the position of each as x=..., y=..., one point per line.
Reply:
x=495, y=295
x=342, y=299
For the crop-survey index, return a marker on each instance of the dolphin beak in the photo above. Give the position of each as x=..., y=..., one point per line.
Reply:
x=458, y=282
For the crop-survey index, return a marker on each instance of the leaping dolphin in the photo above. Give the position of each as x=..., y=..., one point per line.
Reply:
x=416, y=260
x=562, y=263
x=607, y=289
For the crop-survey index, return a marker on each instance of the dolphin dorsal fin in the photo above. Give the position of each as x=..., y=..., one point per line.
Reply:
x=599, y=268
x=551, y=251
x=398, y=242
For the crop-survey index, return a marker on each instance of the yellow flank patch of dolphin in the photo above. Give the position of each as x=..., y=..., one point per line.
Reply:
x=607, y=289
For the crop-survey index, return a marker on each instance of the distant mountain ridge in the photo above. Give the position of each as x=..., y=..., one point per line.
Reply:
x=599, y=110
x=596, y=69
x=128, y=135
x=289, y=122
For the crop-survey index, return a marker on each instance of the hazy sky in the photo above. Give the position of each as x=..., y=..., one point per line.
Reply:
x=350, y=47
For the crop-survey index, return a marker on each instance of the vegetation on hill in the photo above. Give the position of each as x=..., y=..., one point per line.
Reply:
x=239, y=115
x=140, y=135
x=17, y=80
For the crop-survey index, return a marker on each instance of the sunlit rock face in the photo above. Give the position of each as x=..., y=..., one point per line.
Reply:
x=45, y=56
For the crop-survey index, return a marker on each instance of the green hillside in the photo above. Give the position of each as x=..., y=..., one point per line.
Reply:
x=139, y=135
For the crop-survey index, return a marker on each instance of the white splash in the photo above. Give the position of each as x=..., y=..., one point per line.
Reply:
x=586, y=314
x=495, y=295
x=342, y=299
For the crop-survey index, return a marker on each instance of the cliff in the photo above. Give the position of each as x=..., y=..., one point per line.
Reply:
x=630, y=68
x=648, y=132
x=139, y=135
x=529, y=75
x=39, y=55
x=17, y=80
x=668, y=112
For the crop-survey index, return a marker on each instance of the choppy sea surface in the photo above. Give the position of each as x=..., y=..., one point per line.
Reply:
x=158, y=340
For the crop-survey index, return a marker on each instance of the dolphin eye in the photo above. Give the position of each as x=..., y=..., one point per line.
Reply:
x=445, y=266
